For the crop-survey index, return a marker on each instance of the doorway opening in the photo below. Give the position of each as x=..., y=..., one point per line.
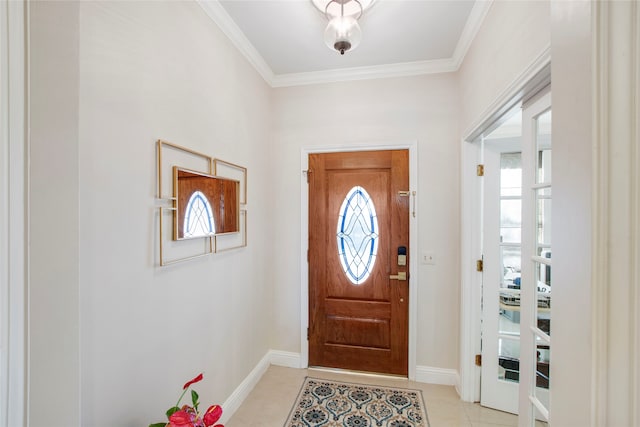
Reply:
x=514, y=229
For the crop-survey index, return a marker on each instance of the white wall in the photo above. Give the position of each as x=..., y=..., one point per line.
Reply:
x=13, y=214
x=571, y=359
x=596, y=88
x=421, y=108
x=512, y=35
x=126, y=74
x=594, y=340
x=113, y=337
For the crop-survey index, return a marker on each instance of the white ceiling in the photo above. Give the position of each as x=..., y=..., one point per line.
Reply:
x=283, y=39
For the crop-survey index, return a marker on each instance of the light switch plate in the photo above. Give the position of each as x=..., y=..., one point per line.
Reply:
x=428, y=258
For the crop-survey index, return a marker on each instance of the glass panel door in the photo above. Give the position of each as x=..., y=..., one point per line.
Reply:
x=517, y=255
x=536, y=290
x=502, y=225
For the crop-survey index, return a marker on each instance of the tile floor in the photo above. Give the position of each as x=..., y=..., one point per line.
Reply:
x=269, y=403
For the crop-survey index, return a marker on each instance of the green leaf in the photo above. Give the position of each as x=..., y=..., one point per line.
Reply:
x=194, y=399
x=158, y=425
x=172, y=411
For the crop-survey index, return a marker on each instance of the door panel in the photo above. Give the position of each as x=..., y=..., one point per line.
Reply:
x=537, y=259
x=502, y=189
x=358, y=325
x=516, y=246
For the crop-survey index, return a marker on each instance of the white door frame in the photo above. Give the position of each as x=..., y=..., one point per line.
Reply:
x=412, y=146
x=13, y=212
x=535, y=77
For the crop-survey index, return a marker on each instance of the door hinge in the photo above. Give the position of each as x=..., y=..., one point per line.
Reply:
x=478, y=360
x=306, y=173
x=479, y=265
x=480, y=170
x=307, y=256
x=307, y=334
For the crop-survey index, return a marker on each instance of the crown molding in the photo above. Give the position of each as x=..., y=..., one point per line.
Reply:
x=535, y=77
x=217, y=13
x=365, y=73
x=470, y=30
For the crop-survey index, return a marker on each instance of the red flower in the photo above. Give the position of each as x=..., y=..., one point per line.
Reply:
x=180, y=419
x=195, y=380
x=189, y=416
x=212, y=415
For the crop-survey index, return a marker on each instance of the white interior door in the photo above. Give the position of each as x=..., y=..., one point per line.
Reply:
x=516, y=248
x=537, y=260
x=501, y=241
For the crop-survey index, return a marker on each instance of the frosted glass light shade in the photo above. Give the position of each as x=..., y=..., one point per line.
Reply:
x=351, y=8
x=342, y=34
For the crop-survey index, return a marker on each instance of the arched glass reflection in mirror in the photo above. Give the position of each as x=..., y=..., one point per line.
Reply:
x=198, y=219
x=205, y=205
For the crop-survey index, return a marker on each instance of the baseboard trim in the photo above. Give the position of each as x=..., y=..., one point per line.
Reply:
x=272, y=357
x=442, y=376
x=231, y=405
x=424, y=374
x=284, y=358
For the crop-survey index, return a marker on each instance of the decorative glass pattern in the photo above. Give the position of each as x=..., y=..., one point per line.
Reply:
x=198, y=219
x=357, y=235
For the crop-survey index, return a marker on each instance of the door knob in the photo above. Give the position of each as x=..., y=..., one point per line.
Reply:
x=402, y=275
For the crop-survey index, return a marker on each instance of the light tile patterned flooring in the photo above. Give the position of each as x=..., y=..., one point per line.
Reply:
x=269, y=403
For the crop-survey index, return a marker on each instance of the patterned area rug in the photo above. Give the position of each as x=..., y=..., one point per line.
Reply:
x=334, y=403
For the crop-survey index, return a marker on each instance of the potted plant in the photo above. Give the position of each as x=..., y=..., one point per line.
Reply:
x=189, y=416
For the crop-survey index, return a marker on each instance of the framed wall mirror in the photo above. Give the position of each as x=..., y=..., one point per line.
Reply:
x=204, y=205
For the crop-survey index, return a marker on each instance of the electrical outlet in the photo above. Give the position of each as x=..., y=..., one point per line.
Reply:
x=428, y=258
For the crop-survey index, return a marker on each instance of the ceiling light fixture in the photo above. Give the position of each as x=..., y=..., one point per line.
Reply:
x=343, y=32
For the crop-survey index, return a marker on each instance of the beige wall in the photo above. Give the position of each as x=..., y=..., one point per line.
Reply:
x=512, y=35
x=114, y=337
x=148, y=71
x=53, y=294
x=423, y=109
x=108, y=79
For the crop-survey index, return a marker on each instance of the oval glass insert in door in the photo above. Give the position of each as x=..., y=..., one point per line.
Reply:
x=357, y=235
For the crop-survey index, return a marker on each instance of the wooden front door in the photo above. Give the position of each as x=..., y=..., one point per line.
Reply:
x=358, y=225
